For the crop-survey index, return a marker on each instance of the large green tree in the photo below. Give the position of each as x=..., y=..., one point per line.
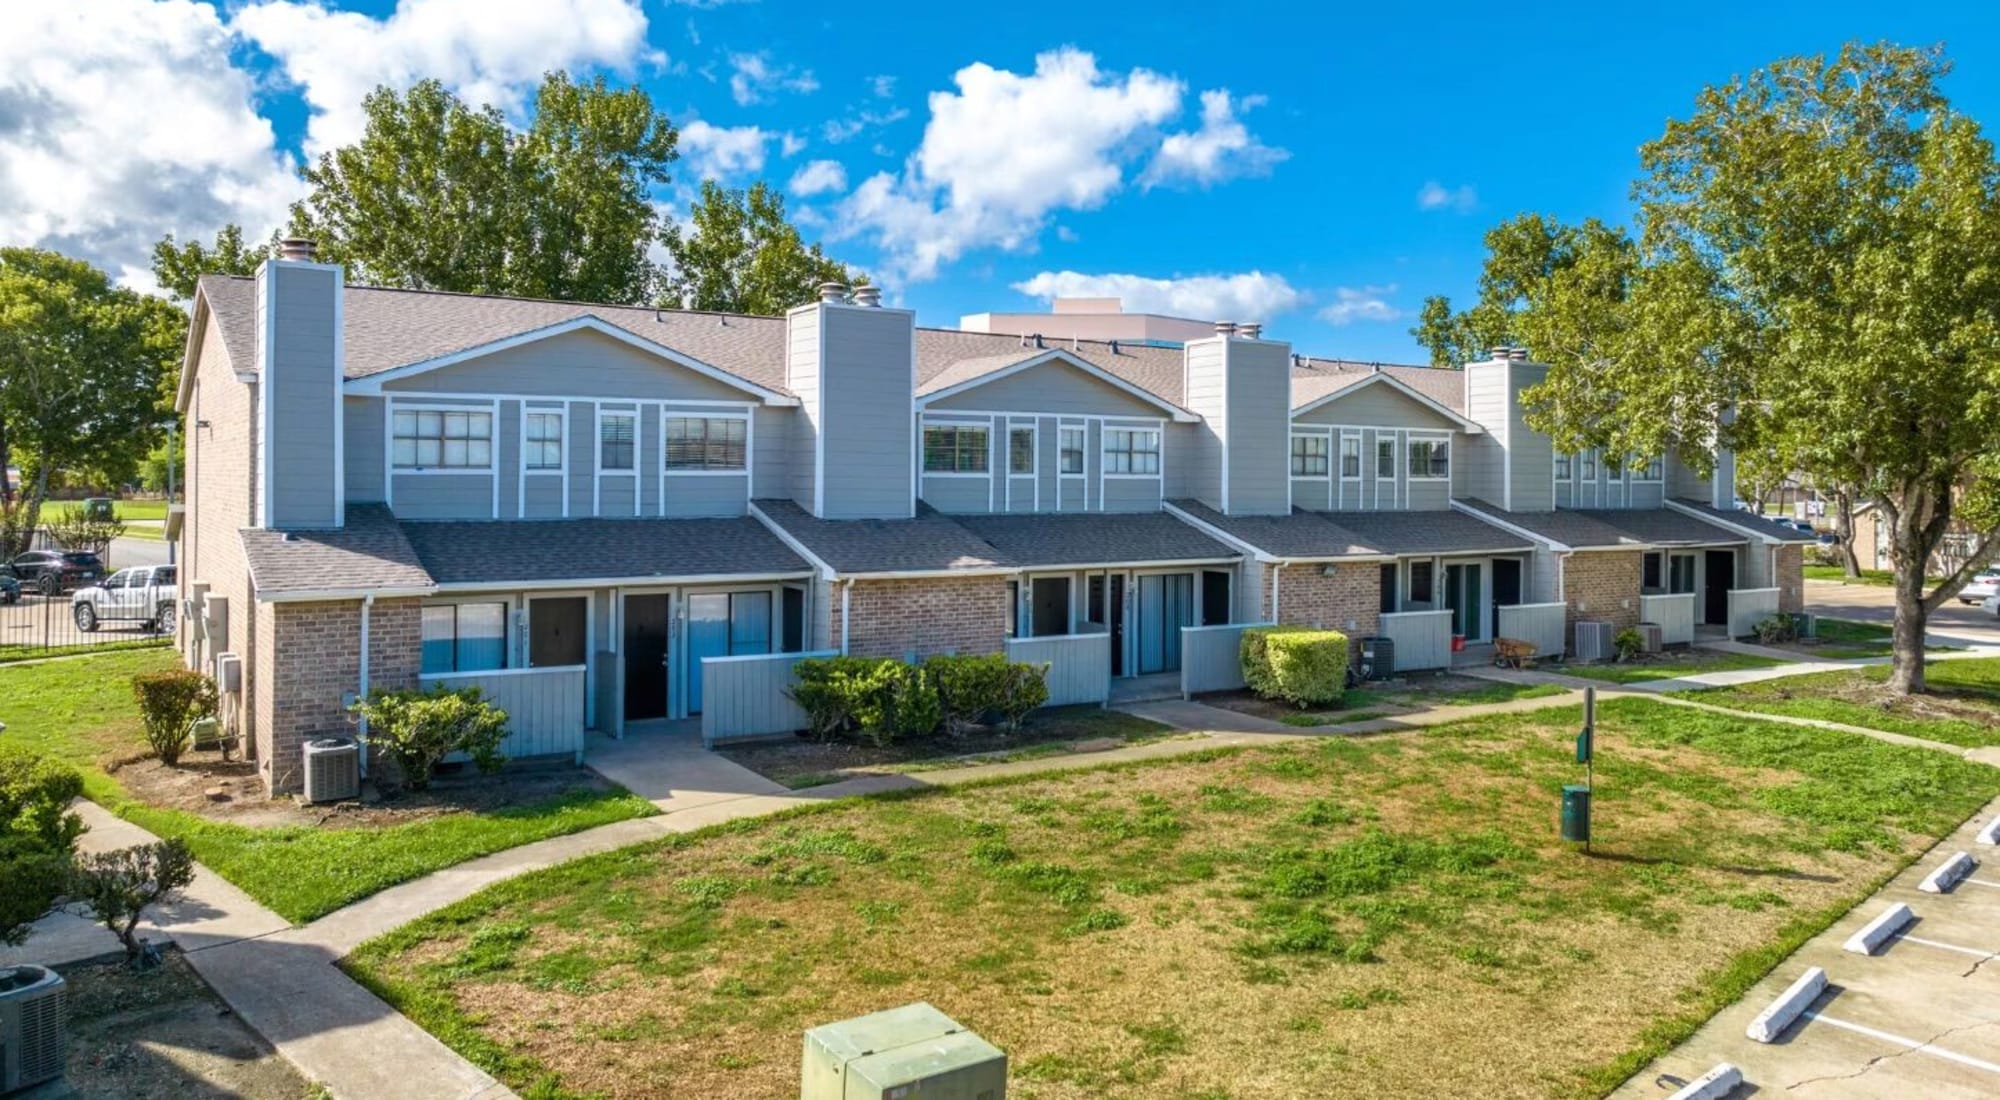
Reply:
x=178, y=265
x=1542, y=281
x=1817, y=289
x=84, y=369
x=739, y=254
x=441, y=195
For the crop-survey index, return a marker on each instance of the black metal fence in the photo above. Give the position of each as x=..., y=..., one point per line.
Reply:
x=37, y=625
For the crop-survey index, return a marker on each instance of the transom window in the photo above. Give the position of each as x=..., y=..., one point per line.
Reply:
x=1021, y=450
x=544, y=447
x=1309, y=455
x=465, y=637
x=1430, y=458
x=435, y=439
x=616, y=436
x=1070, y=447
x=1130, y=451
x=1350, y=457
x=707, y=443
x=950, y=449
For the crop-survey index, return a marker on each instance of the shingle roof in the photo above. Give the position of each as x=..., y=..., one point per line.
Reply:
x=927, y=543
x=1078, y=539
x=369, y=553
x=947, y=357
x=1427, y=532
x=1574, y=529
x=1597, y=528
x=1746, y=520
x=493, y=552
x=1664, y=526
x=1313, y=379
x=1311, y=536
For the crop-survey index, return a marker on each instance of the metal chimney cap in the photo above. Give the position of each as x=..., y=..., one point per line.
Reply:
x=297, y=248
x=1501, y=351
x=1250, y=330
x=870, y=296
x=1225, y=328
x=833, y=292
x=1517, y=355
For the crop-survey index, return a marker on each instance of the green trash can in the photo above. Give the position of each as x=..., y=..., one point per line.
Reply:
x=98, y=508
x=1576, y=812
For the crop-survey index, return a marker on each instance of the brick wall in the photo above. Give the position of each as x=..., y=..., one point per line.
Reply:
x=949, y=614
x=220, y=462
x=1306, y=598
x=309, y=657
x=1790, y=576
x=1603, y=586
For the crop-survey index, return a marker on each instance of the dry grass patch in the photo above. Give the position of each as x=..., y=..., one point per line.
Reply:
x=1961, y=707
x=1391, y=916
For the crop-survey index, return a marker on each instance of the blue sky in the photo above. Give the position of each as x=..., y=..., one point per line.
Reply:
x=1349, y=170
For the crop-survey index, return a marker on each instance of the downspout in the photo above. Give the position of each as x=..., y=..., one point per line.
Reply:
x=361, y=726
x=846, y=590
x=1277, y=572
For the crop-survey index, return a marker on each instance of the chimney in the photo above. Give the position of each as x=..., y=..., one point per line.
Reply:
x=1250, y=330
x=869, y=296
x=833, y=292
x=298, y=413
x=1517, y=355
x=848, y=360
x=297, y=249
x=1225, y=328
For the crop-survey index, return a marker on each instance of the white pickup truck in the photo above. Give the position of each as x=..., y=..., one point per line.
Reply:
x=145, y=594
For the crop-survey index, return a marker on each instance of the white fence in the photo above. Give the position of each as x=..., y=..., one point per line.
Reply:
x=1079, y=665
x=746, y=697
x=1212, y=657
x=544, y=706
x=1748, y=607
x=1540, y=623
x=1422, y=638
x=1674, y=614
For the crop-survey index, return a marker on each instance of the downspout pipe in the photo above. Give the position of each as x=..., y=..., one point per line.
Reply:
x=361, y=726
x=1277, y=573
x=846, y=616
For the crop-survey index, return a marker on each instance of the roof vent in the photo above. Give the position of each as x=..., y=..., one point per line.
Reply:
x=1038, y=341
x=833, y=292
x=1250, y=330
x=1298, y=360
x=1517, y=355
x=300, y=249
x=1114, y=347
x=870, y=296
x=1225, y=328
x=1500, y=351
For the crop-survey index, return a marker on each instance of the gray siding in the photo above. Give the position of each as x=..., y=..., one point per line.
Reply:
x=1181, y=451
x=543, y=497
x=1377, y=405
x=302, y=381
x=507, y=456
x=1428, y=496
x=706, y=495
x=650, y=462
x=962, y=495
x=615, y=496
x=1053, y=387
x=1206, y=362
x=1684, y=482
x=444, y=496
x=1258, y=426
x=864, y=412
x=1478, y=467
x=802, y=373
x=1313, y=493
x=1132, y=495
x=771, y=429
x=1531, y=455
x=580, y=456
x=361, y=419
x=574, y=364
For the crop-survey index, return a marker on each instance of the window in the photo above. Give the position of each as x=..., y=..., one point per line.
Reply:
x=1013, y=609
x=1680, y=573
x=426, y=439
x=1562, y=468
x=1020, y=450
x=1430, y=458
x=706, y=443
x=1385, y=459
x=1350, y=457
x=1654, y=469
x=1309, y=455
x=1387, y=602
x=615, y=435
x=1420, y=582
x=1650, y=582
x=1590, y=465
x=465, y=637
x=952, y=450
x=1131, y=452
x=1070, y=442
x=543, y=450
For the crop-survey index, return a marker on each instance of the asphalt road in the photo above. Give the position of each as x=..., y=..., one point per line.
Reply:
x=129, y=552
x=1875, y=604
x=47, y=623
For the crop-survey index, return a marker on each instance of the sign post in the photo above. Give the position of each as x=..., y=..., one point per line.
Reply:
x=1576, y=796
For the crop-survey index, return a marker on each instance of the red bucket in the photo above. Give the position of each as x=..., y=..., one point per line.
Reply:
x=1458, y=643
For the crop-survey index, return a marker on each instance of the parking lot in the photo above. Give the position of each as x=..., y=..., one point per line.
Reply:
x=37, y=622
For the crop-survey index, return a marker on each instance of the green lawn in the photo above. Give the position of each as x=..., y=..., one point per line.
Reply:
x=1695, y=662
x=1961, y=708
x=1359, y=704
x=1880, y=578
x=80, y=710
x=126, y=510
x=1844, y=639
x=12, y=653
x=1150, y=929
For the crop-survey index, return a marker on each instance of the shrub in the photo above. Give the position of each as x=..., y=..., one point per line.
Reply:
x=833, y=690
x=1629, y=643
x=1295, y=664
x=74, y=528
x=170, y=703
x=37, y=836
x=904, y=704
x=418, y=729
x=117, y=887
x=1775, y=629
x=1027, y=690
x=969, y=688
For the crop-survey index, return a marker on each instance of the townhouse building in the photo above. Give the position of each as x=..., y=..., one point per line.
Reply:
x=610, y=516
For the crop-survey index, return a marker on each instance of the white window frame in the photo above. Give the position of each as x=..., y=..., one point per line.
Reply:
x=1292, y=455
x=413, y=407
x=508, y=630
x=1157, y=450
x=1082, y=450
x=1410, y=441
x=528, y=414
x=1033, y=430
x=985, y=426
x=1350, y=435
x=1651, y=471
x=1589, y=462
x=604, y=415
x=1565, y=468
x=749, y=443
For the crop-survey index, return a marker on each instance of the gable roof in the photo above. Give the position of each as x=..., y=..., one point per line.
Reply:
x=1297, y=536
x=1735, y=519
x=1077, y=539
x=968, y=374
x=369, y=554
x=587, y=551
x=1311, y=392
x=925, y=543
x=1444, y=385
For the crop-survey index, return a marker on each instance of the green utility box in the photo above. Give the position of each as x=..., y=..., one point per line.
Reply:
x=1576, y=812
x=910, y=1053
x=99, y=508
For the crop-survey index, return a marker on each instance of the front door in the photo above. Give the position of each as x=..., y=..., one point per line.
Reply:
x=1215, y=609
x=1117, y=624
x=1464, y=593
x=1049, y=609
x=1166, y=604
x=724, y=624
x=1506, y=587
x=1715, y=591
x=645, y=648
x=556, y=628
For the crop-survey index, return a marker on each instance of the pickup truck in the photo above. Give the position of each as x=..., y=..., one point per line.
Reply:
x=145, y=594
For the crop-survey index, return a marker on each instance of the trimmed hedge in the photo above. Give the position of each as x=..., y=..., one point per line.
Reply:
x=1296, y=664
x=884, y=700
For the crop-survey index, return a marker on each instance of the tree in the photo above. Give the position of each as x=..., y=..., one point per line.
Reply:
x=84, y=369
x=119, y=886
x=442, y=196
x=742, y=256
x=1541, y=279
x=179, y=266
x=38, y=834
x=1819, y=291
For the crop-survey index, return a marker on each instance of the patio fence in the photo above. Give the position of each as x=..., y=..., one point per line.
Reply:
x=748, y=697
x=1539, y=623
x=544, y=706
x=1674, y=613
x=1211, y=658
x=1422, y=638
x=1079, y=665
x=1748, y=607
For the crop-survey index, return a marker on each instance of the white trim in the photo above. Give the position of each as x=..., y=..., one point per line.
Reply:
x=826, y=571
x=816, y=419
x=1325, y=434
x=1222, y=382
x=1175, y=412
x=1469, y=427
x=501, y=671
x=324, y=595
x=485, y=408
x=667, y=414
x=267, y=347
x=1337, y=453
x=1414, y=436
x=562, y=441
x=1718, y=521
x=373, y=383
x=339, y=396
x=599, y=470
x=567, y=584
x=1159, y=449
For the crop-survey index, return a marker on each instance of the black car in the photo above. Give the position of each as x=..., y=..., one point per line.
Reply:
x=53, y=571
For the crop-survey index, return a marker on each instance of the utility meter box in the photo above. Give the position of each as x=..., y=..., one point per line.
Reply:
x=910, y=1053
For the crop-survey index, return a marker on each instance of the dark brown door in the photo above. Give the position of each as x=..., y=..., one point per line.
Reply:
x=1715, y=587
x=1117, y=614
x=1051, y=606
x=557, y=629
x=1215, y=609
x=1506, y=588
x=645, y=657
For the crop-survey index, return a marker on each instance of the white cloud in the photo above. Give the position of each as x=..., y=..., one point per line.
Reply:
x=838, y=130
x=818, y=177
x=1004, y=151
x=883, y=86
x=1436, y=196
x=1223, y=148
x=487, y=51
x=755, y=76
x=121, y=121
x=1366, y=303
x=791, y=144
x=1248, y=296
x=719, y=152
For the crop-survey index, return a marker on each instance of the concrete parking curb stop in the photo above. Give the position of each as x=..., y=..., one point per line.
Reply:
x=1713, y=1085
x=1947, y=874
x=1790, y=1004
x=1991, y=833
x=1880, y=930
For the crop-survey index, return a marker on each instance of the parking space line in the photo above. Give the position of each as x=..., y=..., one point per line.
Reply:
x=1982, y=882
x=1973, y=951
x=1917, y=1046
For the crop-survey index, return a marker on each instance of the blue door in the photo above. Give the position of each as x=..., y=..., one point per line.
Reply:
x=724, y=624
x=1166, y=604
